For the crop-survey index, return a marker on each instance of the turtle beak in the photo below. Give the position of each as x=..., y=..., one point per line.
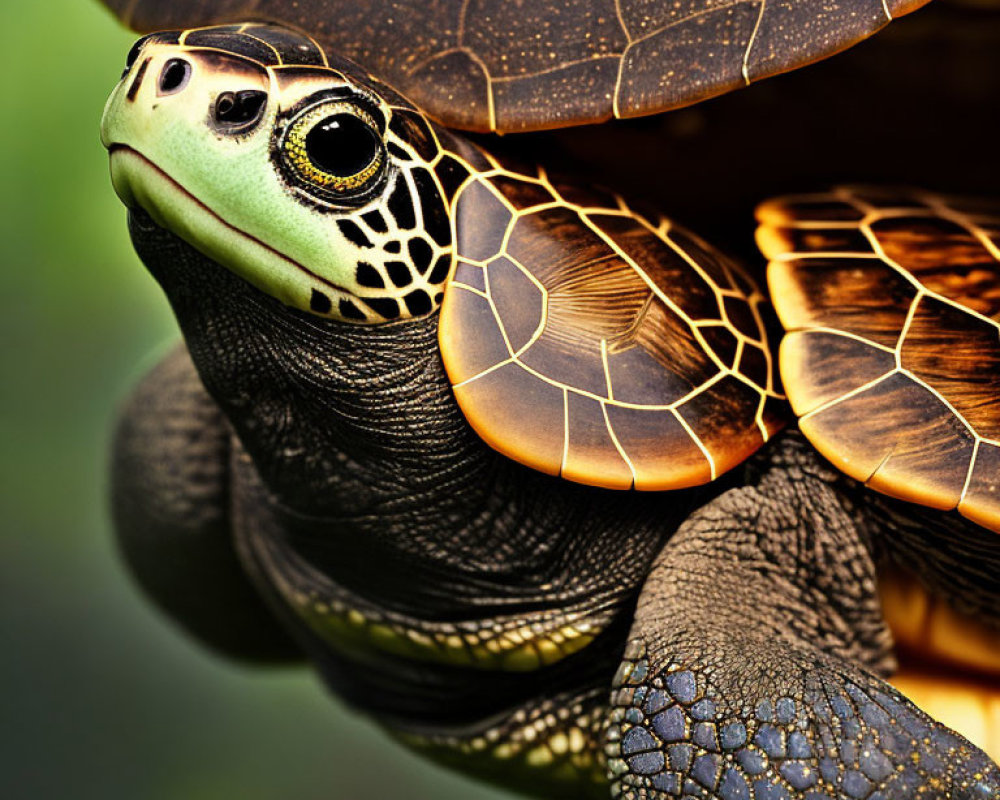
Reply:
x=136, y=68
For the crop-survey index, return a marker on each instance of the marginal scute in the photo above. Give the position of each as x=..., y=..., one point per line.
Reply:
x=725, y=412
x=552, y=99
x=815, y=210
x=805, y=359
x=791, y=239
x=590, y=450
x=981, y=503
x=456, y=81
x=532, y=429
x=860, y=296
x=791, y=27
x=893, y=353
x=861, y=435
x=469, y=356
x=605, y=322
x=662, y=451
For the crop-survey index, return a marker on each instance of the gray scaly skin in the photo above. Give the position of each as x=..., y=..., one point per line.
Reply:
x=750, y=669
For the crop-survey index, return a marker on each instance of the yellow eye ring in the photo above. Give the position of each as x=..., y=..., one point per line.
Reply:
x=334, y=147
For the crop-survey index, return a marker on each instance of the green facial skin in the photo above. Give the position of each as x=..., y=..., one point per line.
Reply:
x=220, y=187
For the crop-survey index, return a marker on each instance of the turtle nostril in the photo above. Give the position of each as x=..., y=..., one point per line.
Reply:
x=174, y=76
x=239, y=109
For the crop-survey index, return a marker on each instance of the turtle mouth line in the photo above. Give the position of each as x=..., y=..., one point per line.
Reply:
x=123, y=150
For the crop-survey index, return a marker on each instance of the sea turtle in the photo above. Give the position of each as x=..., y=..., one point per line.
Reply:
x=419, y=379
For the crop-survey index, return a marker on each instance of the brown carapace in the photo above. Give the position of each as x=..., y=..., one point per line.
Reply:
x=586, y=340
x=508, y=66
x=891, y=300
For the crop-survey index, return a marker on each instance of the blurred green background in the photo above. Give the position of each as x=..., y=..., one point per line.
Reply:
x=101, y=697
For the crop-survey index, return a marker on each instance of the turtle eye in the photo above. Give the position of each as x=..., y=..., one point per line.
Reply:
x=335, y=149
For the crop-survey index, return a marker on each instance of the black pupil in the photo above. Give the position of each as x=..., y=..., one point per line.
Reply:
x=342, y=145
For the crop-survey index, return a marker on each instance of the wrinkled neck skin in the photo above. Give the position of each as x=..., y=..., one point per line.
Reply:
x=368, y=460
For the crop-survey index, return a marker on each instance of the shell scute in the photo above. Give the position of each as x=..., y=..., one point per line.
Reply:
x=662, y=265
x=506, y=426
x=805, y=357
x=519, y=303
x=722, y=341
x=958, y=356
x=860, y=296
x=741, y=317
x=470, y=356
x=555, y=99
x=755, y=365
x=893, y=355
x=610, y=316
x=472, y=276
x=662, y=453
x=576, y=194
x=498, y=65
x=725, y=411
x=571, y=361
x=929, y=465
x=635, y=377
x=592, y=449
x=481, y=220
x=981, y=502
x=708, y=261
x=945, y=257
x=522, y=194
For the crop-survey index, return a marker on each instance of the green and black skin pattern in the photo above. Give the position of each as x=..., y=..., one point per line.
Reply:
x=741, y=646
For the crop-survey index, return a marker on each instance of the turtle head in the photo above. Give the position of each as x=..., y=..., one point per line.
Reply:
x=307, y=178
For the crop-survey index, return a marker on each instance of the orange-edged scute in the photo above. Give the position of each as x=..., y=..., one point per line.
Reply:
x=891, y=300
x=511, y=66
x=585, y=340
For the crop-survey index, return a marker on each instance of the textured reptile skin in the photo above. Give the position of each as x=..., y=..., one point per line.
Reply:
x=747, y=669
x=751, y=666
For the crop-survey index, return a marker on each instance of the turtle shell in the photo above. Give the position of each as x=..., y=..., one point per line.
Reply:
x=891, y=300
x=505, y=66
x=586, y=340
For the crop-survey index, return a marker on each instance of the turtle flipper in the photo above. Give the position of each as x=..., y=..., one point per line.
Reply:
x=170, y=501
x=750, y=668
